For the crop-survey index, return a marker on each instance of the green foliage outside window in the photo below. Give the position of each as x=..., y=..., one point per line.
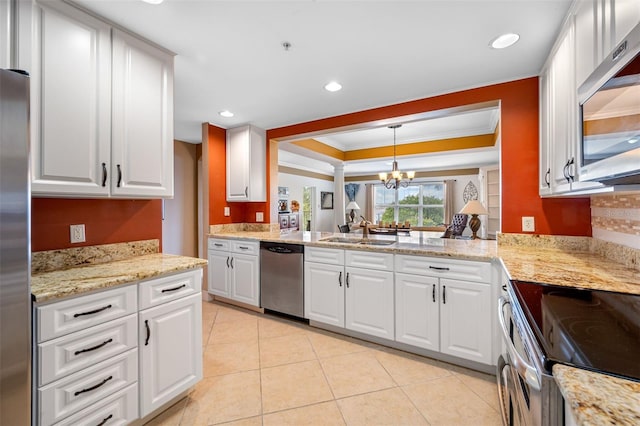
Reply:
x=428, y=213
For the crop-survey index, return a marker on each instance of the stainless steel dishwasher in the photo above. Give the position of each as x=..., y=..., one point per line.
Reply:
x=282, y=278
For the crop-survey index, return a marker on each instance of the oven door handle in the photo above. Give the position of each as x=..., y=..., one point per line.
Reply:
x=522, y=367
x=502, y=364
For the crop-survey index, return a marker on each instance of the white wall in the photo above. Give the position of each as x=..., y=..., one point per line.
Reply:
x=296, y=184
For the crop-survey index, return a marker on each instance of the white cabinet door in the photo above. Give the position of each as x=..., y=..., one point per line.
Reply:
x=544, y=170
x=246, y=164
x=71, y=103
x=245, y=279
x=563, y=107
x=626, y=15
x=219, y=275
x=465, y=320
x=369, y=306
x=586, y=40
x=170, y=350
x=418, y=311
x=142, y=140
x=324, y=293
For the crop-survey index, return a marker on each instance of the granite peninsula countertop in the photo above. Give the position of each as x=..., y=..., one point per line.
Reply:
x=598, y=399
x=50, y=286
x=417, y=242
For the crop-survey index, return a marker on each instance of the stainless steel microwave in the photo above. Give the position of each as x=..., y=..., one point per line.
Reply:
x=610, y=117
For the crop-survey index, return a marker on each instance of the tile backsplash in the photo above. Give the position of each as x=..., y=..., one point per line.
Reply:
x=616, y=218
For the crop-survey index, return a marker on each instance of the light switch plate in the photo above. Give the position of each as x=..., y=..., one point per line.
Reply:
x=227, y=211
x=259, y=217
x=77, y=233
x=528, y=224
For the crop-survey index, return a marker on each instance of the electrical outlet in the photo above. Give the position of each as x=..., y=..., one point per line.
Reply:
x=77, y=233
x=227, y=211
x=528, y=224
x=259, y=217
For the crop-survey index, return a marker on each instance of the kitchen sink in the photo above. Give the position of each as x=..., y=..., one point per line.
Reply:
x=368, y=242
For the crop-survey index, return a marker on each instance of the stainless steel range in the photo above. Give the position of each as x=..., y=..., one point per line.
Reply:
x=544, y=325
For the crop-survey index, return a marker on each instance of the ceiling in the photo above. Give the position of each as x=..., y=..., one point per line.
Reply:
x=230, y=55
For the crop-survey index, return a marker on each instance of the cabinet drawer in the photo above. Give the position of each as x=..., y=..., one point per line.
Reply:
x=324, y=255
x=218, y=244
x=66, y=396
x=443, y=267
x=60, y=318
x=369, y=260
x=245, y=247
x=121, y=408
x=160, y=290
x=73, y=352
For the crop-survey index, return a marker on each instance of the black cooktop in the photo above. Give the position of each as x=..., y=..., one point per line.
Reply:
x=593, y=329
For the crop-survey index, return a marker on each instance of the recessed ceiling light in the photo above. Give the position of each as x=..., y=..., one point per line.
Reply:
x=153, y=1
x=633, y=140
x=333, y=86
x=226, y=113
x=505, y=40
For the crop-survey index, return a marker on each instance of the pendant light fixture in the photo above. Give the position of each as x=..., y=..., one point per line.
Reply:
x=394, y=180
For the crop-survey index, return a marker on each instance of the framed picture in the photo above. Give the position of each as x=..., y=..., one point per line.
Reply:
x=326, y=200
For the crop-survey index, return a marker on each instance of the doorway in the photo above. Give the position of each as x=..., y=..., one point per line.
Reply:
x=308, y=208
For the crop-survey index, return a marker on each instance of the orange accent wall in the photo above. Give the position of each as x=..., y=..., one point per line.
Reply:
x=240, y=212
x=106, y=221
x=519, y=147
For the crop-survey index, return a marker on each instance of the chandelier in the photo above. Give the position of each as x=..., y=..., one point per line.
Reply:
x=394, y=180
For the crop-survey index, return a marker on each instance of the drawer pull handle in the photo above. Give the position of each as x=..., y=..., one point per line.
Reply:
x=433, y=293
x=146, y=325
x=438, y=268
x=95, y=311
x=105, y=420
x=94, y=387
x=444, y=294
x=217, y=244
x=243, y=247
x=81, y=351
x=166, y=290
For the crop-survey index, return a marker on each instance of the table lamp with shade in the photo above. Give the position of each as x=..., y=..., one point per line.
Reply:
x=352, y=206
x=474, y=208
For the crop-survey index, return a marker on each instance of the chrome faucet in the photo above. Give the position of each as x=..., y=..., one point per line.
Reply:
x=364, y=224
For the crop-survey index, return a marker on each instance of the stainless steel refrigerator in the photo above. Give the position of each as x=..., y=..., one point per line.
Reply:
x=15, y=251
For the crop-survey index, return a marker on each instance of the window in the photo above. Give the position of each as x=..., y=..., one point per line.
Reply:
x=420, y=204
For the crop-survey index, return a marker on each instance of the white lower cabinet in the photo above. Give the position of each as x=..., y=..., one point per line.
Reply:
x=324, y=293
x=369, y=302
x=170, y=341
x=418, y=311
x=465, y=320
x=114, y=356
x=350, y=289
x=437, y=312
x=234, y=270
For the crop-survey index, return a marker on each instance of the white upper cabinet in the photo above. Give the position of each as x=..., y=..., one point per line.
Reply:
x=102, y=109
x=246, y=164
x=71, y=105
x=600, y=26
x=142, y=135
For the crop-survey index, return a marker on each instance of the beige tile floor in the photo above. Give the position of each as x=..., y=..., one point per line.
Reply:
x=264, y=370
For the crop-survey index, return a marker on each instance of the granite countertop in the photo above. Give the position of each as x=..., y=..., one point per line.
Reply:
x=424, y=243
x=568, y=268
x=598, y=399
x=49, y=286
